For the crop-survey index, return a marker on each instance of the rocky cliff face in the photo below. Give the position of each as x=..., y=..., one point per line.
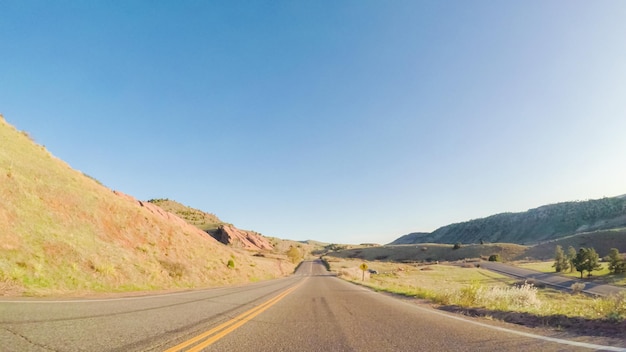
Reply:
x=230, y=235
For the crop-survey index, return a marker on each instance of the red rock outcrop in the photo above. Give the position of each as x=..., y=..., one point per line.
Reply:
x=229, y=234
x=172, y=218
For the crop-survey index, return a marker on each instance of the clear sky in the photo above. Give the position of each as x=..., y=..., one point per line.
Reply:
x=340, y=121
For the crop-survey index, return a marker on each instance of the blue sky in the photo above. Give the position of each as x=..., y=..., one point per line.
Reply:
x=340, y=121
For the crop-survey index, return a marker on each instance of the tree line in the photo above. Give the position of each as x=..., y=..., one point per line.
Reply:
x=587, y=259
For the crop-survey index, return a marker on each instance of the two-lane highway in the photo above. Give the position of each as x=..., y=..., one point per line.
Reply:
x=125, y=324
x=309, y=311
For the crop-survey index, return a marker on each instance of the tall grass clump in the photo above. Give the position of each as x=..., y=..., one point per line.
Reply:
x=523, y=297
x=612, y=307
x=510, y=298
x=467, y=296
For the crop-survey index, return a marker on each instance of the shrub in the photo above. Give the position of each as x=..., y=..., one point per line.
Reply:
x=495, y=258
x=231, y=264
x=174, y=269
x=294, y=255
x=457, y=245
x=577, y=287
x=326, y=263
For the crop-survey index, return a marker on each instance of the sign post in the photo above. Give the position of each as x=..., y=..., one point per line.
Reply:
x=363, y=267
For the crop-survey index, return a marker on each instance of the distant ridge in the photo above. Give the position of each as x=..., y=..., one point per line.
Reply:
x=544, y=223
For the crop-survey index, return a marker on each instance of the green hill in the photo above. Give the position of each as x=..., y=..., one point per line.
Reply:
x=62, y=232
x=544, y=223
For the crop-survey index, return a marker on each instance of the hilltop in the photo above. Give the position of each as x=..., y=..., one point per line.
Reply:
x=62, y=232
x=205, y=221
x=225, y=233
x=545, y=223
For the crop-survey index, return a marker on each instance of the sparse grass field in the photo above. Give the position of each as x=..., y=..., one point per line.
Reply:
x=472, y=287
x=546, y=267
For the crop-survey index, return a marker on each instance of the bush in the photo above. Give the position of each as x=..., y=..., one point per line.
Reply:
x=326, y=263
x=174, y=269
x=578, y=287
x=457, y=245
x=495, y=258
x=294, y=255
x=231, y=264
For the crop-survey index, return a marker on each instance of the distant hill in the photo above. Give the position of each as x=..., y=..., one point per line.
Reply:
x=544, y=223
x=431, y=252
x=602, y=241
x=62, y=232
x=415, y=237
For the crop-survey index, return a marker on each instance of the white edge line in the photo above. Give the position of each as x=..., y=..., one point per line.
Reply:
x=525, y=334
x=511, y=331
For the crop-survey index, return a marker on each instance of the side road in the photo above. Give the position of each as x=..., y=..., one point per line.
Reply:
x=560, y=282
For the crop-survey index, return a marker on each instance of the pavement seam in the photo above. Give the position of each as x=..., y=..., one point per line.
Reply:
x=29, y=340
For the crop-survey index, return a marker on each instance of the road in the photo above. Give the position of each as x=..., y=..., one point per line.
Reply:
x=309, y=311
x=560, y=282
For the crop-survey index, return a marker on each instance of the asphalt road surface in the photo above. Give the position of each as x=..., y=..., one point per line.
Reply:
x=309, y=311
x=557, y=281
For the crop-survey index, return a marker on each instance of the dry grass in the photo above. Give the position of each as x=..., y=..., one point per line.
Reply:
x=64, y=233
x=431, y=252
x=472, y=287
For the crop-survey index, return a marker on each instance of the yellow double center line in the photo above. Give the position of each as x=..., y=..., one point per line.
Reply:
x=226, y=328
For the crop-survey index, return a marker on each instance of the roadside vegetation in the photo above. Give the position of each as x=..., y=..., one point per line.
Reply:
x=478, y=291
x=602, y=275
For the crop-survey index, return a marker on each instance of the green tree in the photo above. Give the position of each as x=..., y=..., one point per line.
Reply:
x=616, y=262
x=571, y=255
x=561, y=261
x=587, y=259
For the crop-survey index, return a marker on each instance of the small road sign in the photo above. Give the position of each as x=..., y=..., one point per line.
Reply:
x=363, y=267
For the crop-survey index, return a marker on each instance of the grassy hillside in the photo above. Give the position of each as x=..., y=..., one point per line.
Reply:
x=545, y=223
x=62, y=232
x=601, y=241
x=430, y=252
x=204, y=221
